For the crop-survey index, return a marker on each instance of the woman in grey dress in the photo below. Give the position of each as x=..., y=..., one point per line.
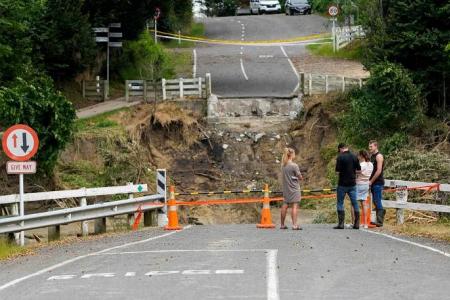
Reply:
x=291, y=187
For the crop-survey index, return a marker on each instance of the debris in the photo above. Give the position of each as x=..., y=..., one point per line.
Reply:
x=259, y=136
x=225, y=146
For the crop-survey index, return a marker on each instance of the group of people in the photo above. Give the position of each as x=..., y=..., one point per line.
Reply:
x=358, y=175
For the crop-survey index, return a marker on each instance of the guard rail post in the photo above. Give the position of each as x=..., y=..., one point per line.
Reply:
x=401, y=197
x=181, y=88
x=208, y=85
x=302, y=83
x=163, y=86
x=130, y=217
x=100, y=226
x=84, y=224
x=54, y=232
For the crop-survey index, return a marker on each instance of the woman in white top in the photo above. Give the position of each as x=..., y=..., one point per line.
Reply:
x=362, y=183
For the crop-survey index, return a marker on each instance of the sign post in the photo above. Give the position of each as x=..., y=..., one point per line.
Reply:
x=20, y=143
x=333, y=11
x=156, y=17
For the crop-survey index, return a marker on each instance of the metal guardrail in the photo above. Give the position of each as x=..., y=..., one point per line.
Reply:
x=77, y=214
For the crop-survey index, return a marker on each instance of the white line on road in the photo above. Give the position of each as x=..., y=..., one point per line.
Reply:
x=272, y=275
x=185, y=250
x=293, y=69
x=194, y=67
x=409, y=242
x=243, y=70
x=66, y=262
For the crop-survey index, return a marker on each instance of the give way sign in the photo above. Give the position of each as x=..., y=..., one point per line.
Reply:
x=20, y=142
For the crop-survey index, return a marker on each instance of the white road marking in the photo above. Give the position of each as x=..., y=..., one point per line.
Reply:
x=293, y=69
x=62, y=277
x=242, y=53
x=194, y=67
x=409, y=242
x=105, y=275
x=51, y=268
x=130, y=274
x=272, y=275
x=159, y=273
x=196, y=272
x=243, y=69
x=229, y=271
x=185, y=250
x=265, y=56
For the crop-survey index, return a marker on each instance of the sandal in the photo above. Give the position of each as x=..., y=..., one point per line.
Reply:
x=284, y=227
x=297, y=228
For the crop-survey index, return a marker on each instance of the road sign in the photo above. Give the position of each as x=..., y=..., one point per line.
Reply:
x=20, y=142
x=115, y=44
x=157, y=13
x=21, y=167
x=333, y=10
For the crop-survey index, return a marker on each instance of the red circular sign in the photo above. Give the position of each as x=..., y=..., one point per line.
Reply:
x=20, y=142
x=157, y=13
x=333, y=10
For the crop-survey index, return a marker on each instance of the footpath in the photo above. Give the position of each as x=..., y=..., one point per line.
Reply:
x=104, y=107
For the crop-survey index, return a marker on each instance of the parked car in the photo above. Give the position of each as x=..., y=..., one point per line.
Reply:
x=264, y=6
x=293, y=7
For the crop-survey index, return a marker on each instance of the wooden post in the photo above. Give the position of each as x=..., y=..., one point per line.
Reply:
x=144, y=86
x=164, y=93
x=83, y=89
x=310, y=85
x=326, y=84
x=360, y=83
x=401, y=197
x=343, y=84
x=200, y=87
x=54, y=232
x=127, y=91
x=208, y=85
x=302, y=83
x=181, y=88
x=84, y=224
x=105, y=89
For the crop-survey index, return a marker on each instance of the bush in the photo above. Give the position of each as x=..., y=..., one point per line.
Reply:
x=143, y=59
x=39, y=105
x=388, y=103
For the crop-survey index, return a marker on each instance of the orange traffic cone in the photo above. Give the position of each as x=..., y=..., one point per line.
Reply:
x=369, y=212
x=172, y=211
x=266, y=217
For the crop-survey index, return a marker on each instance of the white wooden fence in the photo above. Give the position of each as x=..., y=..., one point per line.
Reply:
x=316, y=84
x=95, y=89
x=402, y=203
x=180, y=88
x=346, y=34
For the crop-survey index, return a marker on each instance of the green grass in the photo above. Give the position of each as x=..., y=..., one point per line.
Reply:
x=196, y=30
x=98, y=122
x=9, y=249
x=352, y=51
x=181, y=60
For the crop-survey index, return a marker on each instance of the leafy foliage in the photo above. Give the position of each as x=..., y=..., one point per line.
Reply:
x=143, y=59
x=222, y=7
x=388, y=103
x=63, y=38
x=15, y=46
x=413, y=34
x=38, y=105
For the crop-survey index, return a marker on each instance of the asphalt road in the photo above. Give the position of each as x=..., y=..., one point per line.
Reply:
x=251, y=71
x=232, y=262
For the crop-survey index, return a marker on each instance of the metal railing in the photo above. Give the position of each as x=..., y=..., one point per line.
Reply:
x=83, y=212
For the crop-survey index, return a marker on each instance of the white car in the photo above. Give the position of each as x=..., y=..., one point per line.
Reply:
x=264, y=6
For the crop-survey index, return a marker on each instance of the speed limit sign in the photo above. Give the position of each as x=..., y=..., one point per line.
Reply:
x=333, y=10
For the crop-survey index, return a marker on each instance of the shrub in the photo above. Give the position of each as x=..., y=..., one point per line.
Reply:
x=143, y=59
x=39, y=105
x=388, y=103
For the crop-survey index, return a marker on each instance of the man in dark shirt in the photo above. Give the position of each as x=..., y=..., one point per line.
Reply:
x=377, y=181
x=347, y=165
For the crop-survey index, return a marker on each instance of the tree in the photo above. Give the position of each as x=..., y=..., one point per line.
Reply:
x=15, y=46
x=413, y=33
x=37, y=104
x=63, y=38
x=387, y=104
